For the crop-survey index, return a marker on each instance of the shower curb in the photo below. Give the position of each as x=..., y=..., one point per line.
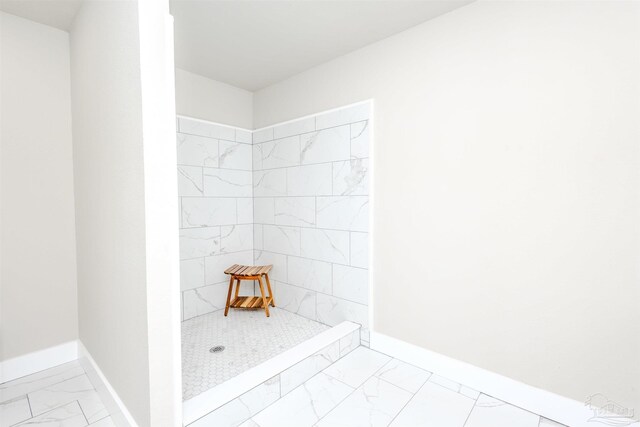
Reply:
x=243, y=396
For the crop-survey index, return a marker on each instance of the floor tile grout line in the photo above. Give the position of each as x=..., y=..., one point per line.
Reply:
x=82, y=410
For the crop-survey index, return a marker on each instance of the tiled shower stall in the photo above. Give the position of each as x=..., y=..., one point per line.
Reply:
x=295, y=195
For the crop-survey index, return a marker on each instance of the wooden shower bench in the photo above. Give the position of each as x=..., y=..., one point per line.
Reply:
x=248, y=272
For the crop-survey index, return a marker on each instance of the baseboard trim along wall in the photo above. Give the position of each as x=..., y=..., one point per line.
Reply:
x=37, y=361
x=545, y=403
x=117, y=409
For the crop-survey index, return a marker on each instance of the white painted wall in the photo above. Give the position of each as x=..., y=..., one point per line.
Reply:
x=126, y=214
x=38, y=285
x=203, y=98
x=507, y=168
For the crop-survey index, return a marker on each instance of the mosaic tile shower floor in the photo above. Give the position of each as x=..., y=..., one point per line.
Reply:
x=249, y=339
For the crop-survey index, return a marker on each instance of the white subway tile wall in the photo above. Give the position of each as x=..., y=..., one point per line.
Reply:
x=295, y=195
x=311, y=213
x=215, y=187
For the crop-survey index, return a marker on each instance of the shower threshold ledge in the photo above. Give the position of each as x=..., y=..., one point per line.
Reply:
x=338, y=341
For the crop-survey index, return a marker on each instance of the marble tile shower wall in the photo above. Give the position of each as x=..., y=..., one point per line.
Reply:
x=311, y=214
x=216, y=210
x=294, y=195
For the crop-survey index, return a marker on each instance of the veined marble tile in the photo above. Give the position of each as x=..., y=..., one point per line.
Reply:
x=21, y=386
x=403, y=375
x=279, y=262
x=257, y=237
x=355, y=113
x=199, y=242
x=204, y=300
x=327, y=145
x=454, y=386
x=13, y=411
x=263, y=135
x=302, y=371
x=491, y=412
x=235, y=155
x=545, y=422
x=310, y=180
x=351, y=177
x=243, y=136
x=249, y=423
x=437, y=406
x=201, y=128
x=325, y=245
x=349, y=343
x=278, y=153
x=214, y=266
x=236, y=238
x=280, y=239
x=227, y=183
x=77, y=388
x=305, y=405
x=343, y=213
x=360, y=140
x=69, y=415
x=359, y=249
x=264, y=210
x=270, y=183
x=375, y=403
x=297, y=211
x=189, y=181
x=332, y=310
x=295, y=128
x=357, y=366
x=245, y=210
x=104, y=422
x=243, y=407
x=296, y=300
x=203, y=212
x=196, y=150
x=191, y=273
x=351, y=283
x=310, y=274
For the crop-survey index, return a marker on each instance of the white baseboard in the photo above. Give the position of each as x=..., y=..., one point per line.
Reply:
x=545, y=403
x=37, y=361
x=117, y=409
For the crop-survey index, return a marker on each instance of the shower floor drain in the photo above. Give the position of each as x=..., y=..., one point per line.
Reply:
x=216, y=349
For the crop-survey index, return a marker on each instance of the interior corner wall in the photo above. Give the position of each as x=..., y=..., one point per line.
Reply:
x=117, y=155
x=507, y=166
x=203, y=98
x=38, y=273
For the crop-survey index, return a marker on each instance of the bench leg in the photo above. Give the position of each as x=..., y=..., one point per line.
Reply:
x=273, y=302
x=264, y=298
x=226, y=308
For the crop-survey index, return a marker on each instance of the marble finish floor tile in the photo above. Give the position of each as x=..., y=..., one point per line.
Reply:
x=24, y=385
x=490, y=412
x=375, y=403
x=249, y=338
x=403, y=375
x=77, y=389
x=306, y=404
x=13, y=411
x=357, y=366
x=434, y=405
x=104, y=422
x=59, y=396
x=69, y=415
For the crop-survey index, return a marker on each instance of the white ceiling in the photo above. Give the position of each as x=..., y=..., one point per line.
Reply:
x=55, y=13
x=252, y=44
